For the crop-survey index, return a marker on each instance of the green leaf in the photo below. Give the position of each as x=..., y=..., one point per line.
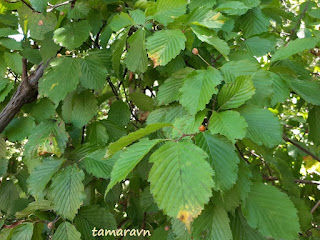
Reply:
x=205, y=17
x=7, y=89
x=43, y=109
x=136, y=59
x=66, y=231
x=241, y=230
x=19, y=128
x=308, y=90
x=119, y=113
x=165, y=11
x=67, y=191
x=232, y=8
x=239, y=192
x=42, y=205
x=263, y=127
x=80, y=108
x=48, y=47
x=142, y=101
x=72, y=35
x=134, y=136
x=254, y=22
x=115, y=132
x=211, y=38
x=121, y=21
x=234, y=94
x=129, y=158
x=60, y=79
x=95, y=164
x=22, y=232
x=117, y=50
x=269, y=210
x=194, y=4
x=280, y=89
x=314, y=125
x=181, y=180
x=3, y=166
x=3, y=148
x=216, y=220
x=49, y=137
x=258, y=46
x=234, y=69
x=222, y=157
x=8, y=194
x=229, y=123
x=79, y=11
x=10, y=43
x=41, y=175
x=295, y=46
x=165, y=45
x=138, y=16
x=315, y=13
x=39, y=5
x=93, y=73
x=39, y=24
x=188, y=124
x=97, y=134
x=5, y=32
x=262, y=81
x=169, y=91
x=93, y=217
x=14, y=61
x=5, y=233
x=198, y=89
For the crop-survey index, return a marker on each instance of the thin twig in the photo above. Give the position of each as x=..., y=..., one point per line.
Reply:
x=293, y=31
x=215, y=60
x=113, y=88
x=29, y=6
x=241, y=154
x=186, y=135
x=263, y=161
x=58, y=5
x=203, y=59
x=302, y=181
x=315, y=207
x=300, y=147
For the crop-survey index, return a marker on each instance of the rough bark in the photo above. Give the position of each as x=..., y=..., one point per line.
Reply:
x=26, y=92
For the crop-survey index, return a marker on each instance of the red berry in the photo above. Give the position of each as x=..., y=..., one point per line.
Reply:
x=166, y=228
x=195, y=51
x=59, y=55
x=202, y=128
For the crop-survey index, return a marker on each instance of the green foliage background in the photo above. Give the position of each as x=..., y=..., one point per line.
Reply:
x=113, y=139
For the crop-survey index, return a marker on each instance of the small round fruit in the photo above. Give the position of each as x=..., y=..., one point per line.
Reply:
x=62, y=13
x=166, y=228
x=68, y=52
x=59, y=55
x=50, y=225
x=40, y=23
x=202, y=128
x=195, y=51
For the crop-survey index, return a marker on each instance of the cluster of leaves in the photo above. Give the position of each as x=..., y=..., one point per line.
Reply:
x=113, y=139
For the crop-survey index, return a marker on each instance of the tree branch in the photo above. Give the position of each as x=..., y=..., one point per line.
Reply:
x=315, y=207
x=300, y=147
x=26, y=92
x=241, y=154
x=293, y=31
x=270, y=178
